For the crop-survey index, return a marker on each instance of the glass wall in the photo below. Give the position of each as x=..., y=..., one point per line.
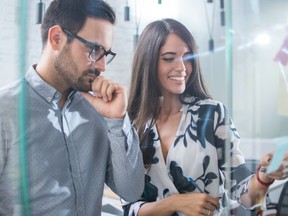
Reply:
x=246, y=69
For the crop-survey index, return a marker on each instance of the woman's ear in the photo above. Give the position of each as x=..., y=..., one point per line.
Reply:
x=55, y=37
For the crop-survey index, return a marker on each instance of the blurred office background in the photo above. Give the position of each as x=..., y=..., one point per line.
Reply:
x=246, y=68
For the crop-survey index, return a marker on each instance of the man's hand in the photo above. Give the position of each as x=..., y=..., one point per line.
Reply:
x=108, y=98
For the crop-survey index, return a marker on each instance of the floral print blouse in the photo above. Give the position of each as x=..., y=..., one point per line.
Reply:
x=206, y=134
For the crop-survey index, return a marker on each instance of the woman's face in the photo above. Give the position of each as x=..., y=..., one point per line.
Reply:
x=174, y=68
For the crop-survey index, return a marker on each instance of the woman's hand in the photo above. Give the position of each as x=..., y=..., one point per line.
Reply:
x=260, y=183
x=196, y=204
x=280, y=173
x=190, y=204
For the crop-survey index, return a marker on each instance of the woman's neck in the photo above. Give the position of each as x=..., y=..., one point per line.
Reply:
x=170, y=106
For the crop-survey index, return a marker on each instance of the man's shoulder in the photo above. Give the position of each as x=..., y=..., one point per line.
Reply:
x=11, y=90
x=9, y=98
x=206, y=101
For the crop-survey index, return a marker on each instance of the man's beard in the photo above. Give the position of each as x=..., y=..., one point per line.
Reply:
x=83, y=84
x=68, y=72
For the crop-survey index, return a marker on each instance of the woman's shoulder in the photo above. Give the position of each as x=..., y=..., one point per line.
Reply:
x=204, y=105
x=196, y=101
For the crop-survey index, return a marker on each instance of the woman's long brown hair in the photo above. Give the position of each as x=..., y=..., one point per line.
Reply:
x=143, y=102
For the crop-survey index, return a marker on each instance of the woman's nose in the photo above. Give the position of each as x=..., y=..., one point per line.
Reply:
x=180, y=64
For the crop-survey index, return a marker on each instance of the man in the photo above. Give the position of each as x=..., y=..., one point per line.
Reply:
x=71, y=141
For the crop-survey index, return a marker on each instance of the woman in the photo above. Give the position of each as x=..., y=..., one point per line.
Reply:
x=184, y=134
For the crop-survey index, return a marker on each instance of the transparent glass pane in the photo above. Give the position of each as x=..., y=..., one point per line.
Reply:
x=246, y=68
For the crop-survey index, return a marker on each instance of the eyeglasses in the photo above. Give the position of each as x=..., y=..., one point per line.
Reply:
x=97, y=52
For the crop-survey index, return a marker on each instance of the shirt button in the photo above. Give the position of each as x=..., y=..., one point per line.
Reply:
x=57, y=96
x=49, y=99
x=80, y=209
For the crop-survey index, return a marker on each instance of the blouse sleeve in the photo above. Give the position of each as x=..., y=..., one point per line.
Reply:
x=234, y=171
x=131, y=209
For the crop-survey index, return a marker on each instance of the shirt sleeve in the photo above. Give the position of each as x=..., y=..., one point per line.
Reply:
x=2, y=146
x=125, y=174
x=10, y=174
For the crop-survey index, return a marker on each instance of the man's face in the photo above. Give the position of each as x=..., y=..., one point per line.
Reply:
x=73, y=64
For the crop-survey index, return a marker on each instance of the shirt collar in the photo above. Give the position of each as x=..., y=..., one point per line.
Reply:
x=46, y=91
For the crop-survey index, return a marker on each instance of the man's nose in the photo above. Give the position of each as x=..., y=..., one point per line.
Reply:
x=100, y=65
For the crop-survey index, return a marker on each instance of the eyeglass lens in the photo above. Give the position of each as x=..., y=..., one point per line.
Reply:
x=98, y=52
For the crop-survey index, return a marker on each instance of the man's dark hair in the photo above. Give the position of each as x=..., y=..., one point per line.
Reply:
x=72, y=14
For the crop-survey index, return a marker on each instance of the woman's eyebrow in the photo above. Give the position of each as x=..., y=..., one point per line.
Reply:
x=168, y=53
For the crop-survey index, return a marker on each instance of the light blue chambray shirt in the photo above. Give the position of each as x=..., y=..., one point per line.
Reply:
x=70, y=153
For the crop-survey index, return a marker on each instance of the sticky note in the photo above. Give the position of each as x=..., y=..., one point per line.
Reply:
x=282, y=148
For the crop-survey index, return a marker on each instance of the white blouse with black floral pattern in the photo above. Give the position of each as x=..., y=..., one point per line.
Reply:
x=205, y=136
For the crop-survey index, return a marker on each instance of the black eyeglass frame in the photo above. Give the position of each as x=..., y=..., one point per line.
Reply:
x=94, y=47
